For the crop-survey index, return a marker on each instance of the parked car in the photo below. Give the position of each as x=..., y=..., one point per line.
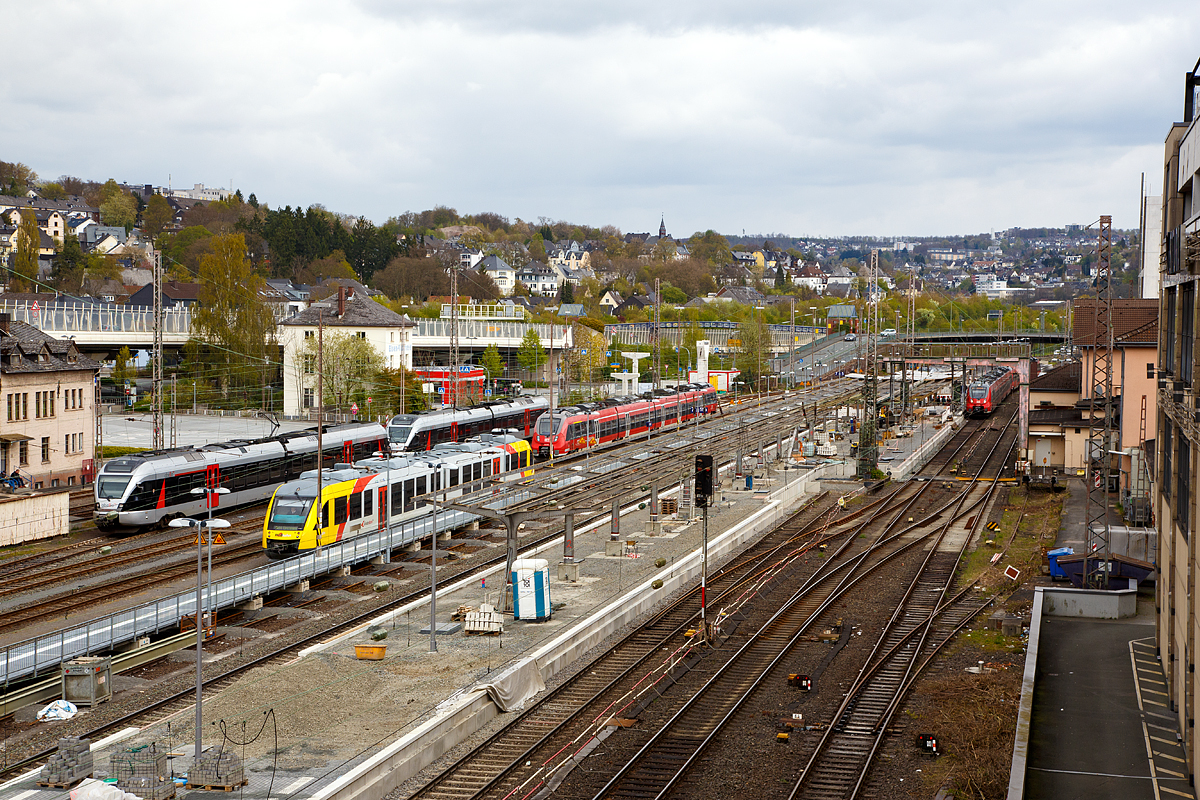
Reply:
x=850, y=337
x=888, y=333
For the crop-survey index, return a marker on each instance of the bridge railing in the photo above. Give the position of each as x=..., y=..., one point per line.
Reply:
x=65, y=320
x=491, y=329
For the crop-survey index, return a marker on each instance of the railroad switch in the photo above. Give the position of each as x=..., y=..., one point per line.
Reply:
x=802, y=682
x=928, y=743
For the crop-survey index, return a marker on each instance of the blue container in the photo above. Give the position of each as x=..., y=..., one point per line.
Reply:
x=1055, y=570
x=749, y=481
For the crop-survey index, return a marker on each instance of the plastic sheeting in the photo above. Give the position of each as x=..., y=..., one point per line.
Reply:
x=511, y=690
x=92, y=789
x=58, y=710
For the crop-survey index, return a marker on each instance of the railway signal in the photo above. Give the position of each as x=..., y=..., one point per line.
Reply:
x=704, y=480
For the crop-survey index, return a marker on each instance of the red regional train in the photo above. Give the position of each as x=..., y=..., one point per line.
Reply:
x=987, y=391
x=576, y=428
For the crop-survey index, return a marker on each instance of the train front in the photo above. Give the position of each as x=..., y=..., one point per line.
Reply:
x=548, y=433
x=977, y=400
x=113, y=494
x=289, y=523
x=400, y=432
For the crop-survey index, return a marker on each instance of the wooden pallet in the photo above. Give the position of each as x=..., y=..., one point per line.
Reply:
x=218, y=787
x=70, y=785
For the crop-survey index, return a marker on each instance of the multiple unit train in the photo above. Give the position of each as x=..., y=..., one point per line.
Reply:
x=143, y=490
x=568, y=430
x=416, y=432
x=988, y=391
x=355, y=499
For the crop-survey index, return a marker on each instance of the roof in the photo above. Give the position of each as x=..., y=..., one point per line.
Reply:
x=25, y=349
x=841, y=312
x=1066, y=417
x=742, y=294
x=1134, y=321
x=571, y=310
x=1065, y=378
x=361, y=312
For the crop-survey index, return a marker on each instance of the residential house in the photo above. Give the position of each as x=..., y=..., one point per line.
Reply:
x=174, y=294
x=501, y=272
x=1058, y=430
x=48, y=416
x=746, y=295
x=284, y=298
x=809, y=275
x=610, y=300
x=539, y=279
x=389, y=334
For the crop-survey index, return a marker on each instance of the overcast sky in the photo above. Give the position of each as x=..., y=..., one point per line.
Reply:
x=805, y=118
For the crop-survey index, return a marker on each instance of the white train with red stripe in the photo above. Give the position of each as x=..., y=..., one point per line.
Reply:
x=140, y=491
x=355, y=498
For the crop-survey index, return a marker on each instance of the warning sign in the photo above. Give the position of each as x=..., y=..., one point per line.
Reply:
x=1011, y=572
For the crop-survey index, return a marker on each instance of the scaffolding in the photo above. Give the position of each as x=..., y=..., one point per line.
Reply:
x=1100, y=412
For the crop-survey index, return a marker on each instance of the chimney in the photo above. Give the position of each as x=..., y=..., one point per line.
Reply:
x=341, y=301
x=4, y=320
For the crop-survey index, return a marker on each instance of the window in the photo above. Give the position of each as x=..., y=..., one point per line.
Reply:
x=1167, y=356
x=45, y=449
x=1187, y=298
x=23, y=451
x=67, y=443
x=361, y=334
x=309, y=334
x=309, y=398
x=10, y=405
x=25, y=405
x=1183, y=497
x=310, y=364
x=1165, y=480
x=356, y=507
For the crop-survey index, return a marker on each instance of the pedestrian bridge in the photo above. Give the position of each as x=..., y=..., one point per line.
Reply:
x=107, y=327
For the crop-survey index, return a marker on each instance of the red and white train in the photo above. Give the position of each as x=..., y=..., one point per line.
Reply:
x=573, y=429
x=987, y=391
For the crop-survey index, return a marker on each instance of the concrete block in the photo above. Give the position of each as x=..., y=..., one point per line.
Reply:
x=298, y=588
x=614, y=548
x=568, y=571
x=343, y=571
x=653, y=528
x=253, y=604
x=379, y=561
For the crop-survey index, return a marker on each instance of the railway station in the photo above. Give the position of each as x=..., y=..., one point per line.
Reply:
x=570, y=623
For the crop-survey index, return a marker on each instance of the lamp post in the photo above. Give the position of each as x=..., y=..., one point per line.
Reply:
x=207, y=526
x=208, y=492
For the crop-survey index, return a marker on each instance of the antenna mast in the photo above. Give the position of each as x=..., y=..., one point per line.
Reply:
x=1100, y=411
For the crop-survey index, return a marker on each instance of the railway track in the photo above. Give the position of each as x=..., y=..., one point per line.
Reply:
x=529, y=752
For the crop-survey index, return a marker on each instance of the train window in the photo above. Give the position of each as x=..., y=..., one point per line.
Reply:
x=397, y=499
x=487, y=468
x=325, y=520
x=437, y=479
x=420, y=485
x=408, y=495
x=355, y=507
x=368, y=503
x=454, y=477
x=339, y=510
x=111, y=488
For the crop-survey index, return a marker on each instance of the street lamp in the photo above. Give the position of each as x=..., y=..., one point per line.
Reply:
x=203, y=531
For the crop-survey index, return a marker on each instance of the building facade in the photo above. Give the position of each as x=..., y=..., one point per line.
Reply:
x=347, y=314
x=47, y=408
x=1177, y=446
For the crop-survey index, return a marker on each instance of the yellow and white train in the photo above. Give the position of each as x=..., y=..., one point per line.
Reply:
x=355, y=499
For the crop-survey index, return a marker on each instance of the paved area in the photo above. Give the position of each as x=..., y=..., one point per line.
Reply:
x=1101, y=726
x=135, y=429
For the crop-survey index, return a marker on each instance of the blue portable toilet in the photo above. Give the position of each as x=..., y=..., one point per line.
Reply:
x=1052, y=556
x=531, y=589
x=749, y=481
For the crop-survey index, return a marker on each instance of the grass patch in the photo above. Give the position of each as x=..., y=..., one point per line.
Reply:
x=107, y=452
x=992, y=641
x=1038, y=527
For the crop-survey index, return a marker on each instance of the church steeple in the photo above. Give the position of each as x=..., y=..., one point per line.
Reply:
x=662, y=228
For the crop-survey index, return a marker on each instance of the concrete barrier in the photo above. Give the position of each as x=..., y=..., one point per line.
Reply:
x=29, y=517
x=1091, y=603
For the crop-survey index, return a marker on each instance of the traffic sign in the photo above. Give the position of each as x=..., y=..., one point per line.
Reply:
x=487, y=392
x=354, y=408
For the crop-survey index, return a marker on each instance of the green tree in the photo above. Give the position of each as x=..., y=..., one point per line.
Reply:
x=121, y=370
x=348, y=368
x=491, y=361
x=710, y=247
x=566, y=293
x=233, y=323
x=119, y=209
x=52, y=191
x=24, y=260
x=751, y=351
x=389, y=384
x=69, y=265
x=157, y=216
x=531, y=355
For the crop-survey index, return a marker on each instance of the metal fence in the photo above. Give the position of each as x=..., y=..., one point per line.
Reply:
x=67, y=319
x=33, y=656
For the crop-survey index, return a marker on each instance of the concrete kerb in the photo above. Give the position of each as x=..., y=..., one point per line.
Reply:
x=1016, y=774
x=471, y=710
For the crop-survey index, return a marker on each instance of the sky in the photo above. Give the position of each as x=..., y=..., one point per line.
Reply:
x=765, y=116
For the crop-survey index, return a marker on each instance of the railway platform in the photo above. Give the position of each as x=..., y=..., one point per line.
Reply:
x=1098, y=722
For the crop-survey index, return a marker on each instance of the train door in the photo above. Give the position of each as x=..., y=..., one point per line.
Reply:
x=526, y=417
x=212, y=479
x=347, y=452
x=382, y=507
x=454, y=431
